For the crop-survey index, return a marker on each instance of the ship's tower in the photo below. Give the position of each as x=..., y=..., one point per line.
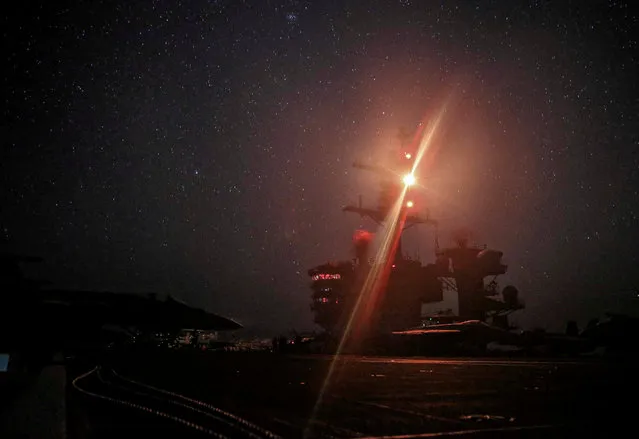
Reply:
x=407, y=284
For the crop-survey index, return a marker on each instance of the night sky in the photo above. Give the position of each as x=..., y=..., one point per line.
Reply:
x=204, y=149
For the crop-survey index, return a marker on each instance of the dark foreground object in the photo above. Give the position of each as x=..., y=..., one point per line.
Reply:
x=370, y=397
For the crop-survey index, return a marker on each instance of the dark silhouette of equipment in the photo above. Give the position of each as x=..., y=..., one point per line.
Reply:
x=464, y=269
x=37, y=322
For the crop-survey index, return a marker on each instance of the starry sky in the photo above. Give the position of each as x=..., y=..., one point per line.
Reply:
x=204, y=148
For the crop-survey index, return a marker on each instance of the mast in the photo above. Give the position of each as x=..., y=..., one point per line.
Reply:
x=394, y=176
x=402, y=286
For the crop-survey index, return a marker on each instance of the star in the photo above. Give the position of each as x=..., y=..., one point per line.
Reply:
x=225, y=135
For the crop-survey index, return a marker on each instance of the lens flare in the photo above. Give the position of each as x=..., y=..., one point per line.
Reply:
x=368, y=295
x=377, y=277
x=409, y=179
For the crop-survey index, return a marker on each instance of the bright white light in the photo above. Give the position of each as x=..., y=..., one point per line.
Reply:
x=409, y=203
x=408, y=155
x=409, y=179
